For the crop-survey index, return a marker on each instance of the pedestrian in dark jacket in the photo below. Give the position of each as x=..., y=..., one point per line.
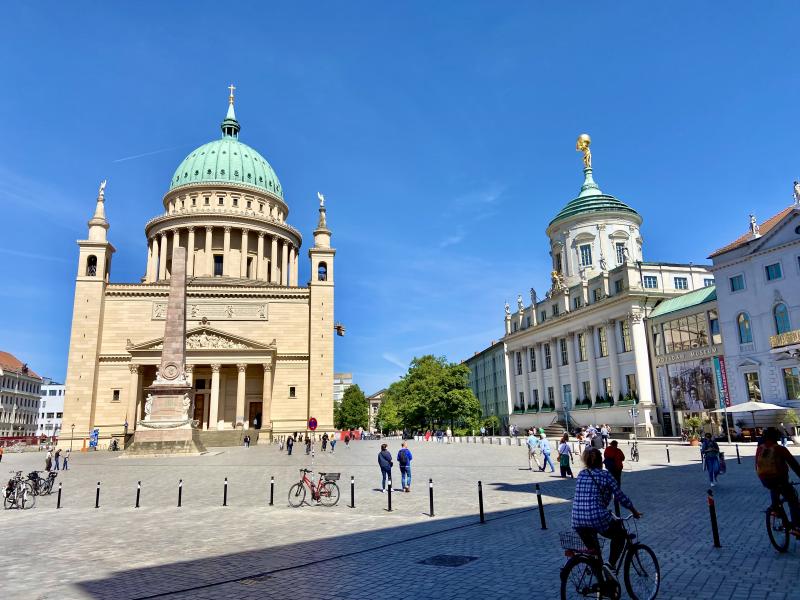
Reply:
x=404, y=460
x=324, y=441
x=386, y=464
x=308, y=444
x=289, y=444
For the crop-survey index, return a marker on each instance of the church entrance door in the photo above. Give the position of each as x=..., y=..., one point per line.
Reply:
x=199, y=408
x=254, y=418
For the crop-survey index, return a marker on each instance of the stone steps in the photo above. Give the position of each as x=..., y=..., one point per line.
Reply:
x=231, y=437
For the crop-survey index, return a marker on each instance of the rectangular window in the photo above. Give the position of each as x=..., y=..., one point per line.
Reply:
x=791, y=379
x=548, y=363
x=115, y=395
x=630, y=383
x=521, y=404
x=551, y=399
x=519, y=363
x=558, y=263
x=708, y=282
x=220, y=201
x=713, y=322
x=50, y=415
x=555, y=310
x=207, y=201
x=217, y=265
x=59, y=415
x=577, y=302
x=587, y=390
x=596, y=295
x=235, y=202
x=601, y=338
x=249, y=204
x=564, y=355
x=620, y=250
x=535, y=398
x=200, y=384
x=292, y=392
x=581, y=347
x=681, y=283
x=650, y=282
x=618, y=286
x=773, y=271
x=625, y=334
x=753, y=386
x=533, y=359
x=737, y=283
x=586, y=255
x=543, y=316
x=528, y=321
x=607, y=389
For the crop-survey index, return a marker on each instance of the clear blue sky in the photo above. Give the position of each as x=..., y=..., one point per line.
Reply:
x=442, y=134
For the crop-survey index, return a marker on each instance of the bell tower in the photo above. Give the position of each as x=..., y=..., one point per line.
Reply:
x=94, y=266
x=321, y=323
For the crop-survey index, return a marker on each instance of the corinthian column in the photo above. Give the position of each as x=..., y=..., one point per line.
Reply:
x=273, y=260
x=213, y=413
x=260, y=257
x=209, y=252
x=133, y=398
x=266, y=400
x=285, y=263
x=162, y=263
x=190, y=254
x=292, y=265
x=226, y=253
x=150, y=259
x=240, y=385
x=243, y=270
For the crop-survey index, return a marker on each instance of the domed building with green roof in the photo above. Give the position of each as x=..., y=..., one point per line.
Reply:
x=255, y=334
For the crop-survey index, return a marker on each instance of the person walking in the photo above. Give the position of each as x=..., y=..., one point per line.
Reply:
x=246, y=441
x=324, y=442
x=66, y=459
x=533, y=445
x=386, y=464
x=404, y=460
x=604, y=431
x=346, y=440
x=57, y=459
x=333, y=443
x=308, y=444
x=483, y=431
x=289, y=444
x=48, y=461
x=710, y=451
x=613, y=459
x=544, y=444
x=565, y=457
x=784, y=434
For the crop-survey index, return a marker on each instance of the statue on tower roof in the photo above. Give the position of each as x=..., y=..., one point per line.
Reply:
x=582, y=145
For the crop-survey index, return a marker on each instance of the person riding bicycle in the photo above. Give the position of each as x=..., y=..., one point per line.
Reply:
x=594, y=488
x=772, y=466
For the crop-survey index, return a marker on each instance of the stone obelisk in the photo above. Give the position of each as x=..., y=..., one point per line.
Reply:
x=167, y=427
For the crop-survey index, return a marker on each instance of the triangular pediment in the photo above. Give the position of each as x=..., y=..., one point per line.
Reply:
x=205, y=338
x=749, y=362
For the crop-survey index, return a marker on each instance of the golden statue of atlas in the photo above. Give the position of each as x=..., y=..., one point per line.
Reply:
x=584, y=141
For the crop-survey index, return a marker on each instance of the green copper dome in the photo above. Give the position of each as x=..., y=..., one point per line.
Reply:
x=592, y=200
x=227, y=160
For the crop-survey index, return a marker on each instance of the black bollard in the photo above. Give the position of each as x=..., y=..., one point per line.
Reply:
x=271, y=491
x=430, y=496
x=97, y=496
x=712, y=510
x=738, y=458
x=541, y=506
x=389, y=499
x=480, y=501
x=58, y=504
x=138, y=493
x=352, y=492
x=180, y=492
x=668, y=460
x=225, y=493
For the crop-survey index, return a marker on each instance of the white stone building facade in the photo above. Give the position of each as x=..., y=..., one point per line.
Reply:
x=19, y=397
x=51, y=409
x=341, y=381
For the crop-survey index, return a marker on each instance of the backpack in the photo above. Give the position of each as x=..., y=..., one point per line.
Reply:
x=402, y=457
x=769, y=464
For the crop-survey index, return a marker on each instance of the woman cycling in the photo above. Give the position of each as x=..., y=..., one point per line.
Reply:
x=594, y=488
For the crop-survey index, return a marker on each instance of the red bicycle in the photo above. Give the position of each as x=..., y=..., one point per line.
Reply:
x=325, y=491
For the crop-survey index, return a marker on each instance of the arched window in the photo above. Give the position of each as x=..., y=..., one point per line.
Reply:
x=322, y=272
x=745, y=334
x=91, y=266
x=781, y=314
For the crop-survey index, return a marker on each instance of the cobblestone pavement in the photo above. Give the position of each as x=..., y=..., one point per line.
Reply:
x=251, y=550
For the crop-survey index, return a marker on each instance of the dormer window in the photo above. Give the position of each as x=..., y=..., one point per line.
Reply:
x=235, y=202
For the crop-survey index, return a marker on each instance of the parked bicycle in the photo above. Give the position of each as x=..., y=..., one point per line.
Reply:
x=584, y=575
x=18, y=493
x=325, y=491
x=41, y=485
x=779, y=525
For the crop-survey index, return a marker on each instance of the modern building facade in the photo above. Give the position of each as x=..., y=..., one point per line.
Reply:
x=19, y=397
x=688, y=361
x=758, y=293
x=341, y=381
x=375, y=401
x=487, y=378
x=51, y=409
x=259, y=344
x=581, y=353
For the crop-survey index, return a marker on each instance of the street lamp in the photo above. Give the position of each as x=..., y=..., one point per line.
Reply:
x=633, y=414
x=71, y=437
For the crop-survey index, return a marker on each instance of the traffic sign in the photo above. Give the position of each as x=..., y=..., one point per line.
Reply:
x=312, y=424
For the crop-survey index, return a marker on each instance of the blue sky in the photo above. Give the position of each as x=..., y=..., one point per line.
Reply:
x=442, y=135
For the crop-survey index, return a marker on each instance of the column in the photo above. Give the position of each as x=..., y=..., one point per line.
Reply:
x=273, y=260
x=537, y=349
x=292, y=265
x=613, y=358
x=213, y=413
x=260, y=274
x=642, y=357
x=526, y=369
x=132, y=415
x=243, y=268
x=209, y=252
x=573, y=369
x=511, y=379
x=151, y=257
x=266, y=400
x=162, y=263
x=176, y=241
x=555, y=356
x=190, y=254
x=592, y=360
x=240, y=384
x=226, y=251
x=285, y=263
x=189, y=372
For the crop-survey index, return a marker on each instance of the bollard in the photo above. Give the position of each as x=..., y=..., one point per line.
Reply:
x=541, y=506
x=389, y=500
x=480, y=501
x=97, y=496
x=668, y=460
x=352, y=492
x=712, y=510
x=271, y=491
x=738, y=458
x=180, y=492
x=138, y=493
x=225, y=493
x=430, y=496
x=58, y=504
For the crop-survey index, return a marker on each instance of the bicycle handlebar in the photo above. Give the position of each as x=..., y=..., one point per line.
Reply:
x=305, y=470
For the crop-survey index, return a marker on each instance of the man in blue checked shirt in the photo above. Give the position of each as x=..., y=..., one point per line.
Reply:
x=594, y=489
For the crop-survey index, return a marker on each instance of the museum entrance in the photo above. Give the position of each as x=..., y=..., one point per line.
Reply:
x=254, y=418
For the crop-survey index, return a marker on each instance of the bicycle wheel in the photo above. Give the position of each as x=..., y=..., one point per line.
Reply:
x=778, y=528
x=642, y=573
x=8, y=498
x=297, y=495
x=26, y=497
x=580, y=578
x=329, y=493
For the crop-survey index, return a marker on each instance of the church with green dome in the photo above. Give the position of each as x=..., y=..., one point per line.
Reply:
x=259, y=343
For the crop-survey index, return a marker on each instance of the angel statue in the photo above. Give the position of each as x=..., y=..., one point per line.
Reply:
x=754, y=228
x=796, y=193
x=321, y=199
x=508, y=310
x=582, y=145
x=101, y=193
x=520, y=303
x=533, y=297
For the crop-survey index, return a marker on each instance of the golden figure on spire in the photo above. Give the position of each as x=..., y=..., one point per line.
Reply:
x=231, y=87
x=584, y=141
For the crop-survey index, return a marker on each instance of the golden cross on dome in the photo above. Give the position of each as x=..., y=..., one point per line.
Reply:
x=231, y=87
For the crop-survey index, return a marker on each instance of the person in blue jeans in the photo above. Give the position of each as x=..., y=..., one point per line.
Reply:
x=544, y=444
x=404, y=460
x=386, y=464
x=710, y=451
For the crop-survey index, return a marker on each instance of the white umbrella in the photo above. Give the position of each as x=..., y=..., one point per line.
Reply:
x=751, y=407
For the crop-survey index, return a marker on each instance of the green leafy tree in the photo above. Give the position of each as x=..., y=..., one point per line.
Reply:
x=353, y=410
x=492, y=424
x=388, y=418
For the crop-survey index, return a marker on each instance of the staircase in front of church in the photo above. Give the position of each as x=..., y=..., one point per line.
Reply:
x=229, y=437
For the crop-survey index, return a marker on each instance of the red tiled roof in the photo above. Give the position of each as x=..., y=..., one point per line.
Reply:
x=764, y=228
x=9, y=362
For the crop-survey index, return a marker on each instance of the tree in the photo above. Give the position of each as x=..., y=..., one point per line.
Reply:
x=388, y=419
x=492, y=424
x=353, y=410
